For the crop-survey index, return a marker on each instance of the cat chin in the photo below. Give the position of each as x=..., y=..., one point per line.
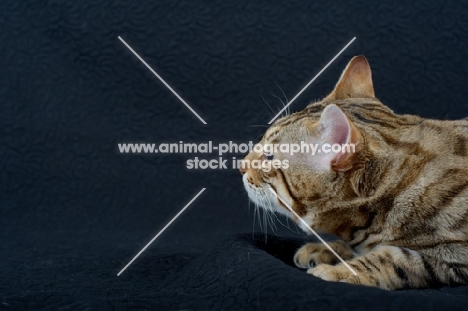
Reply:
x=257, y=193
x=264, y=198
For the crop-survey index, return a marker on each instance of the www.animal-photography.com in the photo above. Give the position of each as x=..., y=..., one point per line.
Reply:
x=234, y=155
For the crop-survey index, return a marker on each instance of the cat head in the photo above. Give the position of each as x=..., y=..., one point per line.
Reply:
x=307, y=181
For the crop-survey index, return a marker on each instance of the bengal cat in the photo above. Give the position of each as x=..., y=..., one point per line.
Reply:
x=398, y=203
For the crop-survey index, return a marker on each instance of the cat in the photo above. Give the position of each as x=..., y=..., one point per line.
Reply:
x=398, y=204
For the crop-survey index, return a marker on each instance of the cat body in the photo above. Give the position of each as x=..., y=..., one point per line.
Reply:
x=399, y=203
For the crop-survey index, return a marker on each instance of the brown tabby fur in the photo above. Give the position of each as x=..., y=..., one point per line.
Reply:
x=399, y=204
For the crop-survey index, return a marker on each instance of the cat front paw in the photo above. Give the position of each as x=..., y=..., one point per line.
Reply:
x=332, y=273
x=340, y=273
x=313, y=254
x=309, y=256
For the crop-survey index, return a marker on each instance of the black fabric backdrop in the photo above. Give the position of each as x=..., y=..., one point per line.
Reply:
x=74, y=210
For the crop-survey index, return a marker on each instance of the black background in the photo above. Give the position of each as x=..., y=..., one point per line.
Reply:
x=74, y=210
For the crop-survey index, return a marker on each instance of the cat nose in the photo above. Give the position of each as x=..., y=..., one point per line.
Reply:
x=242, y=170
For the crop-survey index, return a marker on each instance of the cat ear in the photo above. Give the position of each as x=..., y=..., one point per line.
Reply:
x=355, y=81
x=336, y=129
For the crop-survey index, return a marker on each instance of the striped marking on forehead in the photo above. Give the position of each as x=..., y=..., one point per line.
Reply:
x=272, y=134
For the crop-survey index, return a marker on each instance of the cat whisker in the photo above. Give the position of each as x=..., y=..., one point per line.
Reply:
x=271, y=212
x=272, y=110
x=263, y=222
x=265, y=225
x=286, y=100
x=286, y=111
x=270, y=208
x=266, y=216
x=257, y=211
x=271, y=222
x=253, y=224
x=295, y=226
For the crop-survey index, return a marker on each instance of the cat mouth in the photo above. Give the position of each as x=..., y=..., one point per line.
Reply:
x=262, y=197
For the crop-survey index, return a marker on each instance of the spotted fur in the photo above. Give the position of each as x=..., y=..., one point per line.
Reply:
x=399, y=204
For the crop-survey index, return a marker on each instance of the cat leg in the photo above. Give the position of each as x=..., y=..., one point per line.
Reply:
x=313, y=254
x=386, y=267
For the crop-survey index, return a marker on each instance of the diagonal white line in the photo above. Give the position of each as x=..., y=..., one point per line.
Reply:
x=162, y=80
x=313, y=79
x=313, y=231
x=160, y=232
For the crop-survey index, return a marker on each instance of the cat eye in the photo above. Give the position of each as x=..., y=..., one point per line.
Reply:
x=268, y=157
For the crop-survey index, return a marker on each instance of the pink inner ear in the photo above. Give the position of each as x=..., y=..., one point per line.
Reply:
x=335, y=124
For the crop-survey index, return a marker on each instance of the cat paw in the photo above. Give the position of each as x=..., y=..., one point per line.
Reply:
x=314, y=254
x=341, y=273
x=308, y=256
x=333, y=273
